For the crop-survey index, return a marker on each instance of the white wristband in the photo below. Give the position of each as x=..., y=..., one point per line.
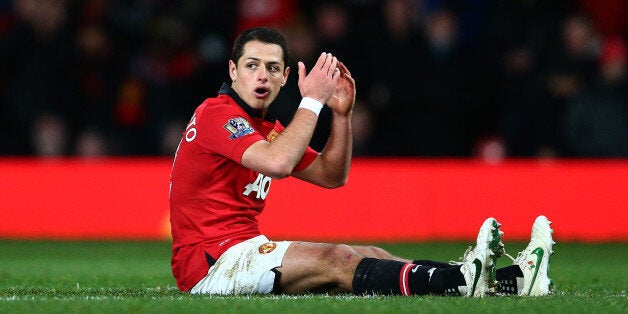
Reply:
x=311, y=104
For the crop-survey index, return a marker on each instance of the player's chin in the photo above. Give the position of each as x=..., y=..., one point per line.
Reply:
x=264, y=102
x=259, y=104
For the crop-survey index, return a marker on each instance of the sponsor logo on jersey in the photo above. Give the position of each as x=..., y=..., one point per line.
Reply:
x=238, y=127
x=267, y=247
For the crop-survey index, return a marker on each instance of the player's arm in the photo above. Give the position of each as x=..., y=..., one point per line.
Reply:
x=331, y=168
x=278, y=158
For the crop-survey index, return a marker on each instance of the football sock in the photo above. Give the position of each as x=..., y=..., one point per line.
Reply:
x=386, y=277
x=446, y=281
x=507, y=279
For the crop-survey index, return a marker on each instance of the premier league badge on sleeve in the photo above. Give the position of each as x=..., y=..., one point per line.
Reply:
x=238, y=127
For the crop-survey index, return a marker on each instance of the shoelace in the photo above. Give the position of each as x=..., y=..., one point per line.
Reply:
x=464, y=256
x=520, y=256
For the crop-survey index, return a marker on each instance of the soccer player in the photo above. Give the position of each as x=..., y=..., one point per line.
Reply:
x=233, y=148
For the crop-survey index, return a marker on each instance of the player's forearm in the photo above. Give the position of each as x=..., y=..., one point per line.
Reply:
x=287, y=149
x=336, y=156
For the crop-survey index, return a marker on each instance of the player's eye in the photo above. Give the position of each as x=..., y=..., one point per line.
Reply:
x=274, y=70
x=251, y=66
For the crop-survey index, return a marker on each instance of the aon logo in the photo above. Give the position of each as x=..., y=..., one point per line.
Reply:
x=260, y=186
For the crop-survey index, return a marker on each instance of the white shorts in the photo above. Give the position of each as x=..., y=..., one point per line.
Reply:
x=245, y=268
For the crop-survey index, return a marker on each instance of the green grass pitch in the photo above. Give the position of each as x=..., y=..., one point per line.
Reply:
x=123, y=277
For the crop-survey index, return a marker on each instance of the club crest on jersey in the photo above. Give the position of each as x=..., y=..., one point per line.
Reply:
x=267, y=247
x=238, y=127
x=271, y=135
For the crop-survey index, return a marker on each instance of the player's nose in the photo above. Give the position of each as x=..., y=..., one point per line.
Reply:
x=262, y=74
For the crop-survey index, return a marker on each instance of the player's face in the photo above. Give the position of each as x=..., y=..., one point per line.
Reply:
x=259, y=74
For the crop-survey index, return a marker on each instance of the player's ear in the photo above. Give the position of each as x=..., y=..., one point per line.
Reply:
x=233, y=71
x=285, y=76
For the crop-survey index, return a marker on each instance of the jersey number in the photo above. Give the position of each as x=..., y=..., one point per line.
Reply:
x=261, y=186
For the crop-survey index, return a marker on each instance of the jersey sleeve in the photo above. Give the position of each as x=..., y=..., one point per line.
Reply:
x=306, y=160
x=226, y=131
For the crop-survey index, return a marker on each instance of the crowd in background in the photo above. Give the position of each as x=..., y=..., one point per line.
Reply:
x=482, y=78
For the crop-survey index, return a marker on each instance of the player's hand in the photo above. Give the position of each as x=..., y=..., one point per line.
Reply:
x=343, y=98
x=321, y=82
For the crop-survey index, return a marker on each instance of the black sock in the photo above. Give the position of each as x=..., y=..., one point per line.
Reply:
x=507, y=279
x=429, y=263
x=376, y=276
x=373, y=275
x=445, y=281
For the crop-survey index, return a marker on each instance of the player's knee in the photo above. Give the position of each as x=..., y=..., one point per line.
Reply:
x=334, y=254
x=341, y=254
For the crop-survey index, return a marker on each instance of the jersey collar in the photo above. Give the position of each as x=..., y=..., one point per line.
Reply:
x=227, y=90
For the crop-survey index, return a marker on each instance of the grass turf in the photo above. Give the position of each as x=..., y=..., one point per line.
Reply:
x=108, y=277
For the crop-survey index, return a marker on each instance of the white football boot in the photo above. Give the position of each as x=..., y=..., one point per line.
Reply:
x=478, y=264
x=535, y=258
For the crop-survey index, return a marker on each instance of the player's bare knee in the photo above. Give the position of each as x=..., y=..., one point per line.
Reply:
x=342, y=255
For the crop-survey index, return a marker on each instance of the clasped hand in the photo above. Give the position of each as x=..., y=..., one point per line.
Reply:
x=329, y=82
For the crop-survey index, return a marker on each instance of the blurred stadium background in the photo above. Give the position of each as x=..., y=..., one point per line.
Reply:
x=465, y=109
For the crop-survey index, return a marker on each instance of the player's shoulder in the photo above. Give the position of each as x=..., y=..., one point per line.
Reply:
x=219, y=105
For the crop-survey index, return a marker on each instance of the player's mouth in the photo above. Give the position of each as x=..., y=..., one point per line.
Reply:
x=261, y=92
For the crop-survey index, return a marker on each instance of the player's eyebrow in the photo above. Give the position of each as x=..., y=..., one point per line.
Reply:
x=260, y=60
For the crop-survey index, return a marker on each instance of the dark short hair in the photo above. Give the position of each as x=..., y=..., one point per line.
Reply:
x=262, y=34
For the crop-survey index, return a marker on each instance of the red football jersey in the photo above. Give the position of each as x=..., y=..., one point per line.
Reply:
x=214, y=200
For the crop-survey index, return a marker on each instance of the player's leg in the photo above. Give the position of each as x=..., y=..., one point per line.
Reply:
x=323, y=267
x=427, y=276
x=311, y=267
x=318, y=267
x=445, y=277
x=260, y=266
